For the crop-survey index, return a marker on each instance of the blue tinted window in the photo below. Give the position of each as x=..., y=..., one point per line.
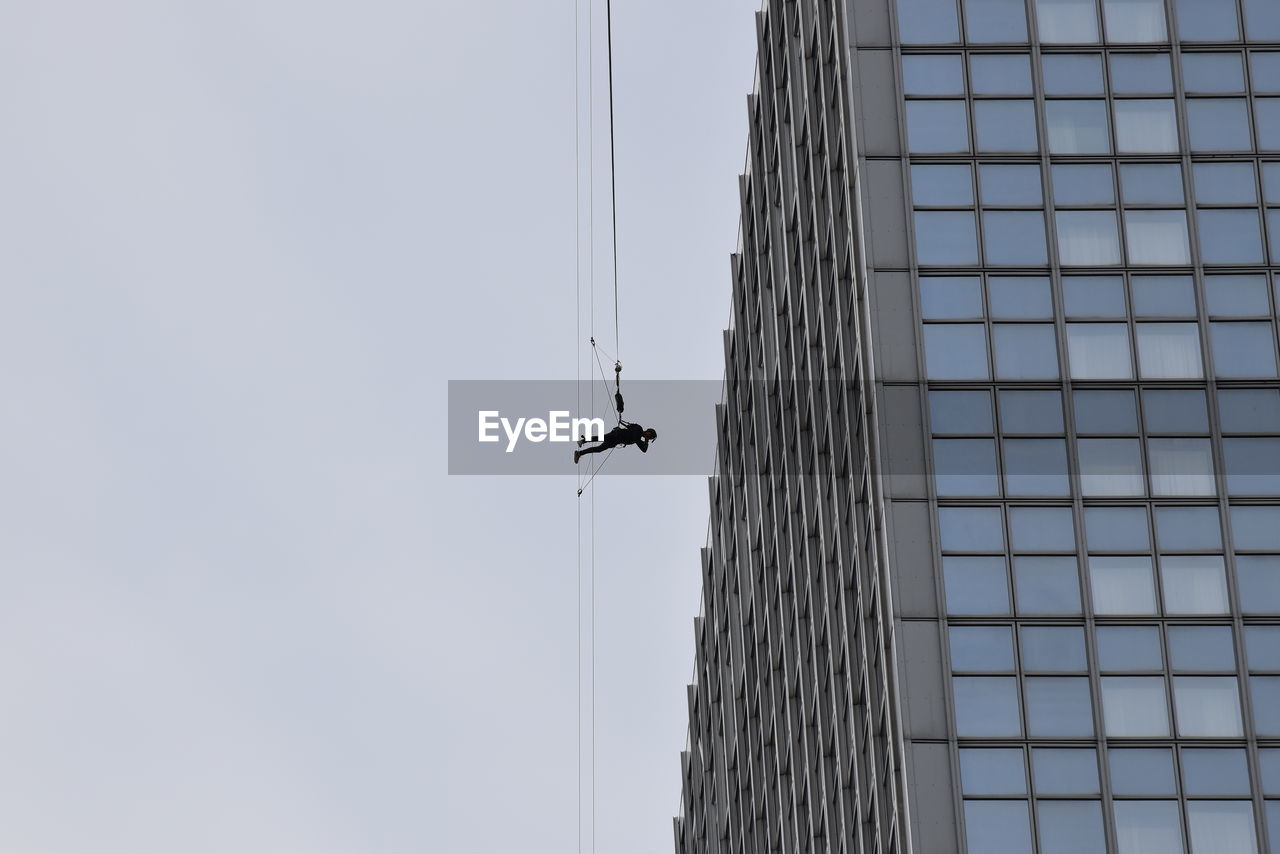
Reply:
x=986, y=705
x=1238, y=296
x=1020, y=297
x=1066, y=21
x=976, y=585
x=971, y=529
x=1030, y=411
x=956, y=351
x=1213, y=72
x=1025, y=351
x=965, y=466
x=1175, y=411
x=1134, y=20
x=1225, y=183
x=1064, y=771
x=1262, y=647
x=1188, y=529
x=1093, y=296
x=1014, y=238
x=1082, y=184
x=1119, y=529
x=1069, y=827
x=1105, y=411
x=1123, y=648
x=1047, y=585
x=1042, y=529
x=1267, y=113
x=996, y=20
x=946, y=237
x=1265, y=68
x=1201, y=648
x=937, y=126
x=993, y=771
x=1230, y=236
x=1151, y=183
x=948, y=297
x=1214, y=771
x=1218, y=124
x=1077, y=127
x=1005, y=125
x=1053, y=648
x=1253, y=465
x=1072, y=74
x=1010, y=184
x=1001, y=73
x=941, y=74
x=1207, y=20
x=1141, y=73
x=1249, y=410
x=1256, y=528
x=960, y=412
x=1142, y=771
x=1243, y=349
x=927, y=21
x=1262, y=20
x=937, y=185
x=1036, y=467
x=1058, y=706
x=1162, y=296
x=1259, y=580
x=987, y=648
x=997, y=827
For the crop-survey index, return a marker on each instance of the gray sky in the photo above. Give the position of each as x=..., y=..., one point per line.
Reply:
x=243, y=247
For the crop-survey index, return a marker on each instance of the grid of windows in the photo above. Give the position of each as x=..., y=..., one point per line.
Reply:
x=1094, y=212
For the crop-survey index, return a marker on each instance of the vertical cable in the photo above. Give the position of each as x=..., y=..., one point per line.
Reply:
x=613, y=181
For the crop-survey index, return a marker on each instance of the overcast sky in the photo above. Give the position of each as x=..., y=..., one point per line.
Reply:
x=243, y=246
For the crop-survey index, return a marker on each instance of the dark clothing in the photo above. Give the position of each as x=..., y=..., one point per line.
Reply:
x=628, y=434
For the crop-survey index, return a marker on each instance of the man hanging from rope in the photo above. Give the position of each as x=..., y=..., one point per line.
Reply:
x=625, y=433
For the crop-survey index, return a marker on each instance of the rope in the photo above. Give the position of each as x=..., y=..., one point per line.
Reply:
x=613, y=175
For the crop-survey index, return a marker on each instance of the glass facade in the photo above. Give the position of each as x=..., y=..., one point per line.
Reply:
x=1092, y=242
x=994, y=551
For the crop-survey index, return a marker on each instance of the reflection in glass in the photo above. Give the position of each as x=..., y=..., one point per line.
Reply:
x=1146, y=125
x=1134, y=706
x=1122, y=584
x=1077, y=127
x=1110, y=467
x=956, y=351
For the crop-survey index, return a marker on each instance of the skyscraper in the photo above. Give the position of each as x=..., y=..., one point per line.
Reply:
x=994, y=562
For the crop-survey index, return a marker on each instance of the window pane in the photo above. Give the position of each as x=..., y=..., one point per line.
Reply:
x=1146, y=125
x=1266, y=112
x=1273, y=228
x=992, y=771
x=1207, y=706
x=996, y=20
x=997, y=827
x=1265, y=66
x=1207, y=20
x=927, y=21
x=960, y=412
x=1064, y=21
x=1181, y=529
x=1249, y=410
x=1065, y=771
x=1007, y=184
x=1122, y=585
x=1243, y=349
x=976, y=585
x=1072, y=74
x=1256, y=528
x=1042, y=529
x=1142, y=771
x=1175, y=411
x=986, y=706
x=956, y=351
x=1220, y=826
x=1215, y=771
x=1047, y=585
x=1070, y=827
x=1181, y=467
x=934, y=185
x=946, y=237
x=1169, y=351
x=1225, y=183
x=1270, y=770
x=1000, y=74
x=947, y=297
x=971, y=529
x=988, y=648
x=1148, y=827
x=1005, y=125
x=1266, y=704
x=1058, y=706
x=1129, y=648
x=1026, y=351
x=1105, y=411
x=1083, y=184
x=1031, y=411
x=1093, y=296
x=941, y=74
x=1036, y=467
x=1253, y=465
x=1110, y=467
x=1158, y=237
x=1213, y=72
x=1134, y=706
x=1162, y=296
x=1230, y=236
x=937, y=126
x=1259, y=580
x=1077, y=127
x=1202, y=648
x=1218, y=124
x=1262, y=646
x=965, y=466
x=1239, y=296
x=1134, y=20
x=1015, y=238
x=1120, y=529
x=1053, y=648
x=1087, y=238
x=1020, y=296
x=1141, y=73
x=1151, y=183
x=1271, y=181
x=1261, y=20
